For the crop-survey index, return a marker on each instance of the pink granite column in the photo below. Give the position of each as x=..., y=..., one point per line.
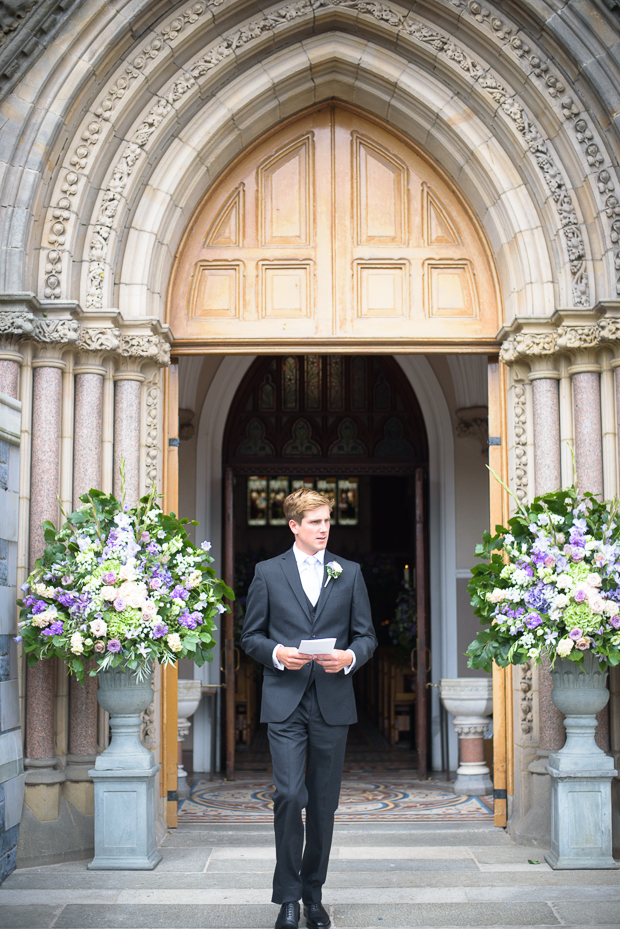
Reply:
x=83, y=712
x=87, y=431
x=127, y=421
x=44, y=486
x=546, y=404
x=9, y=378
x=588, y=429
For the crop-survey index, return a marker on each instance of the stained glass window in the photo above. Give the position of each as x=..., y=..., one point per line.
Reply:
x=327, y=486
x=313, y=382
x=290, y=381
x=306, y=482
x=381, y=393
x=257, y=501
x=348, y=501
x=335, y=382
x=278, y=492
x=267, y=393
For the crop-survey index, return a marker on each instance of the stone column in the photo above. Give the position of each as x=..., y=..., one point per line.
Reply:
x=87, y=429
x=588, y=431
x=546, y=404
x=127, y=424
x=9, y=374
x=41, y=762
x=83, y=717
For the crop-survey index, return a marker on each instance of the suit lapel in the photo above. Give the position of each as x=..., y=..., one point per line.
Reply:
x=291, y=572
x=325, y=591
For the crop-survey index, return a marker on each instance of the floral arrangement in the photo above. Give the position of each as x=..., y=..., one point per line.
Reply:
x=123, y=586
x=550, y=584
x=334, y=570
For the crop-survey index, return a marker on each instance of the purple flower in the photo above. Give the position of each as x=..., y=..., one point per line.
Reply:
x=145, y=537
x=120, y=604
x=56, y=628
x=179, y=593
x=39, y=606
x=155, y=583
x=109, y=577
x=538, y=598
x=615, y=622
x=580, y=595
x=152, y=548
x=533, y=621
x=188, y=620
x=575, y=634
x=17, y=638
x=28, y=601
x=114, y=645
x=159, y=629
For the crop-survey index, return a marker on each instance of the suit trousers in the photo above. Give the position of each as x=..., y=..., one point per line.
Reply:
x=304, y=740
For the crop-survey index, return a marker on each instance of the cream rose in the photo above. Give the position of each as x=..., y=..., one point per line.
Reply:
x=108, y=593
x=98, y=627
x=564, y=647
x=77, y=645
x=174, y=642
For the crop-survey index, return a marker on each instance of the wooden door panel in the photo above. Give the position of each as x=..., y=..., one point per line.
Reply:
x=333, y=227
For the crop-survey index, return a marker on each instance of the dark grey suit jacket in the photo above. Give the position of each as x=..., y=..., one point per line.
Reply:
x=278, y=613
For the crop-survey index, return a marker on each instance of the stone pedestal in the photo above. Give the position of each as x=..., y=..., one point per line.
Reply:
x=125, y=820
x=125, y=779
x=581, y=773
x=470, y=700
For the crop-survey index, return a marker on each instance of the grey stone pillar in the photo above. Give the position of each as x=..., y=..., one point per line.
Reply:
x=127, y=423
x=87, y=434
x=41, y=762
x=588, y=429
x=546, y=404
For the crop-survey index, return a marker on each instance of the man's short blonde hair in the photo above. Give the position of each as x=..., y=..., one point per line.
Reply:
x=302, y=501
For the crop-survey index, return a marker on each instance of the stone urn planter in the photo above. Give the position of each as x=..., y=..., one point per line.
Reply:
x=470, y=700
x=124, y=776
x=581, y=772
x=190, y=693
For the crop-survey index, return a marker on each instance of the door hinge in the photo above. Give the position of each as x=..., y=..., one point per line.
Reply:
x=173, y=443
x=500, y=795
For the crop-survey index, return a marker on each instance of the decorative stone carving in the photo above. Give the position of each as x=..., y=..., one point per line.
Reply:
x=528, y=344
x=148, y=728
x=152, y=430
x=16, y=322
x=576, y=337
x=99, y=340
x=526, y=713
x=145, y=346
x=61, y=213
x=520, y=442
x=56, y=330
x=227, y=46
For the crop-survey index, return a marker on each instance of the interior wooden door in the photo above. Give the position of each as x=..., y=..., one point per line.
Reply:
x=333, y=226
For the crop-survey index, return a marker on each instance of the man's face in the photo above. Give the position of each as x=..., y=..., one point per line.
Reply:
x=312, y=533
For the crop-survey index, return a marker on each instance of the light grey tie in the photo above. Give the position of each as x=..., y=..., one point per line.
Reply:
x=312, y=585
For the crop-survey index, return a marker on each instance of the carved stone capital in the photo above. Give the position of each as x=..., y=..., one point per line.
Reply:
x=150, y=347
x=100, y=340
x=470, y=728
x=65, y=331
x=16, y=323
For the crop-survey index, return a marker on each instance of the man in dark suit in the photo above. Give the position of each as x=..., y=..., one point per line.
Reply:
x=308, y=704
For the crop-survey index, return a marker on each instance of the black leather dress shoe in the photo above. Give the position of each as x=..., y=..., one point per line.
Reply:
x=288, y=917
x=317, y=916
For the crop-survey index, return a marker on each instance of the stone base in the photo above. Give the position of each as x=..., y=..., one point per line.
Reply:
x=43, y=800
x=67, y=838
x=581, y=820
x=534, y=828
x=125, y=820
x=473, y=785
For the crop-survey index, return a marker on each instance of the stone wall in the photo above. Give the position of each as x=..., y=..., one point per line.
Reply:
x=11, y=760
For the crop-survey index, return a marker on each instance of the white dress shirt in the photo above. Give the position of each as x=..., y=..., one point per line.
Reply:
x=311, y=572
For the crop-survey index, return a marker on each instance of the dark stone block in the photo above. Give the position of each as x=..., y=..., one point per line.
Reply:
x=4, y=645
x=4, y=563
x=28, y=917
x=4, y=464
x=5, y=668
x=8, y=839
x=7, y=863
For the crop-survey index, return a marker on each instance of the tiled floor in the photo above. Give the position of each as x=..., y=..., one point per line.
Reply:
x=443, y=875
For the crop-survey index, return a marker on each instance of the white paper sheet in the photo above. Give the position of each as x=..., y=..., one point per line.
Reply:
x=317, y=646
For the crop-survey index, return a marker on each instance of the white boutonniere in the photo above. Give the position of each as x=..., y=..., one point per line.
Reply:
x=333, y=570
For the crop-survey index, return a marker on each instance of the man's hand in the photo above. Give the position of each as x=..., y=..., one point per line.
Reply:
x=335, y=662
x=292, y=658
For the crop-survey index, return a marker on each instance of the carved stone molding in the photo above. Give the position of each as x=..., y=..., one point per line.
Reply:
x=471, y=730
x=152, y=347
x=519, y=412
x=526, y=711
x=571, y=334
x=227, y=45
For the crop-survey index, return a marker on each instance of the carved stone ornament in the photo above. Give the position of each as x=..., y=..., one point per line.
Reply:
x=519, y=412
x=526, y=712
x=528, y=344
x=16, y=322
x=56, y=330
x=471, y=730
x=99, y=340
x=228, y=45
x=145, y=346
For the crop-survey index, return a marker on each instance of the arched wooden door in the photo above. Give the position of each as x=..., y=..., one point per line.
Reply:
x=350, y=426
x=334, y=228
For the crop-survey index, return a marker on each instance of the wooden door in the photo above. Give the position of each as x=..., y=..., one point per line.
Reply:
x=333, y=226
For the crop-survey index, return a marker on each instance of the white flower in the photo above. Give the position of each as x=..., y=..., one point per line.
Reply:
x=174, y=642
x=193, y=580
x=98, y=627
x=77, y=645
x=41, y=620
x=206, y=546
x=564, y=647
x=128, y=571
x=611, y=608
x=528, y=640
x=597, y=604
x=149, y=608
x=108, y=593
x=496, y=596
x=122, y=521
x=564, y=581
x=594, y=580
x=520, y=577
x=561, y=601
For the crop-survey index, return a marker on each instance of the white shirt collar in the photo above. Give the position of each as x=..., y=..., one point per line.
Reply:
x=300, y=556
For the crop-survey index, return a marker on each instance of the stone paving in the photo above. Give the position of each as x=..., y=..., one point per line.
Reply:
x=380, y=876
